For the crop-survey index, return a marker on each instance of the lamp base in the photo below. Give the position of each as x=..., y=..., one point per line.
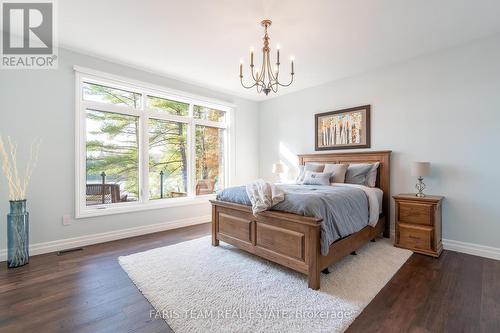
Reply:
x=420, y=186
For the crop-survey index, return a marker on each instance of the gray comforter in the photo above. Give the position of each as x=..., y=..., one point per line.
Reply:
x=344, y=210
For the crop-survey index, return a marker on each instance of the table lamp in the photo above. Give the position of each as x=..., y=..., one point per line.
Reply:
x=278, y=169
x=420, y=170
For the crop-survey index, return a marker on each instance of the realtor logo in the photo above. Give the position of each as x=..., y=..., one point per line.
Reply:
x=28, y=38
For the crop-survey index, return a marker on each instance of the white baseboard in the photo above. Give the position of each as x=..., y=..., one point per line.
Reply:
x=53, y=246
x=471, y=248
x=63, y=244
x=468, y=248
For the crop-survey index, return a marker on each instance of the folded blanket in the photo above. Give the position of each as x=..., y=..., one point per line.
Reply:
x=263, y=195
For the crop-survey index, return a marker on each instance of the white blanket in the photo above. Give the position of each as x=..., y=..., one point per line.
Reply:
x=263, y=195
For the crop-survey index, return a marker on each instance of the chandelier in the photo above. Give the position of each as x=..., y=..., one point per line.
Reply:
x=266, y=79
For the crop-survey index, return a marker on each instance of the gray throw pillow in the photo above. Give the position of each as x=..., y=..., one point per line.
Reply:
x=317, y=178
x=371, y=180
x=338, y=172
x=358, y=174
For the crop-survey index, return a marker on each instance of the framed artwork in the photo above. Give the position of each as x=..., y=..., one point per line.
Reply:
x=343, y=129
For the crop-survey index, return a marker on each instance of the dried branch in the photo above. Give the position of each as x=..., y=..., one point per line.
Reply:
x=6, y=168
x=17, y=186
x=30, y=167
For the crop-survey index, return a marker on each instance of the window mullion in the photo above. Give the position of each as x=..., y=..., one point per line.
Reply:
x=111, y=108
x=144, y=152
x=167, y=117
x=191, y=169
x=209, y=123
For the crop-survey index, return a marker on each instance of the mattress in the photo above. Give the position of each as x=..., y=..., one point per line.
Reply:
x=344, y=208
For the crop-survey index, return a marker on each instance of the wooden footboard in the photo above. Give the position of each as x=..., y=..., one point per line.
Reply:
x=287, y=239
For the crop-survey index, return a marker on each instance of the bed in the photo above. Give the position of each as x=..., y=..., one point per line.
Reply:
x=294, y=240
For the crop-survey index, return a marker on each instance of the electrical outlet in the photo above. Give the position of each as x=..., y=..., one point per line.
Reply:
x=66, y=220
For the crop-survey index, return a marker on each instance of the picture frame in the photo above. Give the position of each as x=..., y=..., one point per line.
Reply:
x=343, y=129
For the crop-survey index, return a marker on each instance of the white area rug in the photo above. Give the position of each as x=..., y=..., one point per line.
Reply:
x=199, y=288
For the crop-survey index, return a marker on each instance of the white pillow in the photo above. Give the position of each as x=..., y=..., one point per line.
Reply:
x=372, y=175
x=317, y=178
x=314, y=167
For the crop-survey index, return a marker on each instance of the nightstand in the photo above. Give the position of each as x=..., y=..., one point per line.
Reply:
x=418, y=223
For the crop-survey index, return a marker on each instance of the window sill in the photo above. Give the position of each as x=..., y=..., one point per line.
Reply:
x=138, y=207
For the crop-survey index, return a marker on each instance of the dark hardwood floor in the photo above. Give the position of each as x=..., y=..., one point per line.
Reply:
x=455, y=293
x=87, y=291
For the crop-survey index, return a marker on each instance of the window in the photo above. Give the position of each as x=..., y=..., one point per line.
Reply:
x=112, y=166
x=143, y=147
x=201, y=112
x=108, y=95
x=209, y=159
x=167, y=159
x=165, y=105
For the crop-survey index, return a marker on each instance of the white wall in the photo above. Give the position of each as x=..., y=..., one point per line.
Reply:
x=443, y=108
x=40, y=103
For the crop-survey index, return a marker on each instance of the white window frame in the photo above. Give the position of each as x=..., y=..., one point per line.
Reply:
x=144, y=114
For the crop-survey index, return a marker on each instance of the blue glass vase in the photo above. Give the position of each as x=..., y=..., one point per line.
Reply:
x=17, y=234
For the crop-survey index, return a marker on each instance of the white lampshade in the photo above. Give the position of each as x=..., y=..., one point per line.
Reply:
x=420, y=169
x=278, y=168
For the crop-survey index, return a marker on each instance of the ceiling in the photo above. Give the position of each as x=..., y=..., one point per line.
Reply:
x=202, y=41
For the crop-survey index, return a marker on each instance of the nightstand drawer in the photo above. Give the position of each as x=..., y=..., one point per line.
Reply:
x=415, y=237
x=411, y=212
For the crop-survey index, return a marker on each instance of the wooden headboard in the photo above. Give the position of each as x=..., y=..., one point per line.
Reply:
x=383, y=174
